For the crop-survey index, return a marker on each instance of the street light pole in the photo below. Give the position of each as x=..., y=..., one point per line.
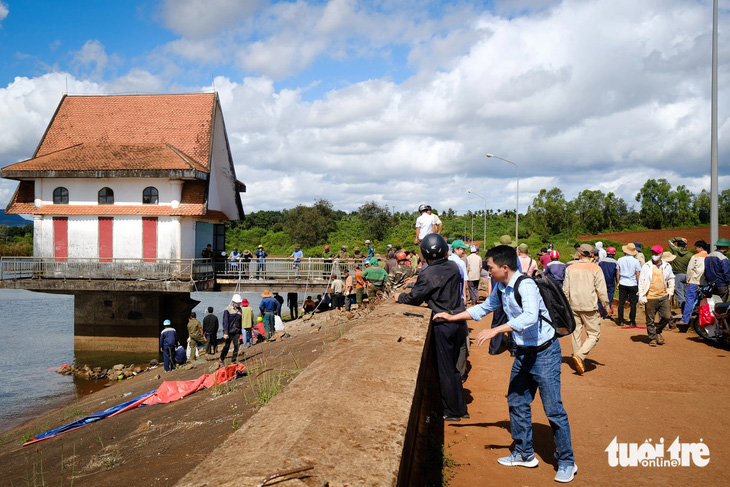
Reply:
x=517, y=203
x=714, y=210
x=484, y=242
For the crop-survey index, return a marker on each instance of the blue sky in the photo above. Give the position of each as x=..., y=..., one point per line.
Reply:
x=396, y=102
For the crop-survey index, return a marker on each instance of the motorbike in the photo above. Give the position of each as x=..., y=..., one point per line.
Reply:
x=710, y=317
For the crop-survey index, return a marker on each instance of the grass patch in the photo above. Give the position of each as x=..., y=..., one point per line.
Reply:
x=266, y=382
x=72, y=412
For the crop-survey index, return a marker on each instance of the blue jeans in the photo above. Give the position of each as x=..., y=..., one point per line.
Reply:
x=531, y=371
x=247, y=337
x=689, y=305
x=680, y=289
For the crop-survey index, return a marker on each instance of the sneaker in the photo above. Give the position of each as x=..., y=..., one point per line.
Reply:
x=659, y=339
x=518, y=460
x=652, y=343
x=566, y=473
x=579, y=367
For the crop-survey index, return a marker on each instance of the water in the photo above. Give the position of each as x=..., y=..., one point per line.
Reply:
x=37, y=331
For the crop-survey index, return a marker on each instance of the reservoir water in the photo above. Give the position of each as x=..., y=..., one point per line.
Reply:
x=37, y=331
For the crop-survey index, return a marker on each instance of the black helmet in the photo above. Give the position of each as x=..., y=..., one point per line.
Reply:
x=433, y=247
x=423, y=208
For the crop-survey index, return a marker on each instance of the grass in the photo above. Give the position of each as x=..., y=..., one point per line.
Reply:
x=74, y=411
x=235, y=424
x=266, y=382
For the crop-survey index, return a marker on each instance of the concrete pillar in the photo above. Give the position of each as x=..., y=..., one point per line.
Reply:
x=128, y=322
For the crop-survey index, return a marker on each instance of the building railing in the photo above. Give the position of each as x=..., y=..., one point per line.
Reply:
x=108, y=269
x=169, y=269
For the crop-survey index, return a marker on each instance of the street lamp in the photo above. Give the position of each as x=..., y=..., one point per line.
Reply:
x=517, y=203
x=484, y=243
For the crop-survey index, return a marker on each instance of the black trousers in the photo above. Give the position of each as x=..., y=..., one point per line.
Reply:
x=629, y=292
x=292, y=302
x=448, y=338
x=236, y=339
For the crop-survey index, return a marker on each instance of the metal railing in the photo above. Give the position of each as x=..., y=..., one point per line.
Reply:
x=109, y=269
x=169, y=269
x=278, y=268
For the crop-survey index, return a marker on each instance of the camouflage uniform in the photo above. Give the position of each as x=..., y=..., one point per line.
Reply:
x=398, y=275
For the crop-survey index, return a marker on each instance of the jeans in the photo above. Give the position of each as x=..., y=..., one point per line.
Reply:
x=530, y=372
x=473, y=287
x=269, y=324
x=247, y=337
x=689, y=305
x=680, y=289
x=631, y=293
x=168, y=358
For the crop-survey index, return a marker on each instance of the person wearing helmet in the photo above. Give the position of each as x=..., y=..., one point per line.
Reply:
x=537, y=361
x=232, y=318
x=327, y=260
x=371, y=249
x=425, y=224
x=402, y=271
x=439, y=285
x=357, y=255
x=259, y=332
x=609, y=266
x=438, y=224
x=168, y=342
x=555, y=269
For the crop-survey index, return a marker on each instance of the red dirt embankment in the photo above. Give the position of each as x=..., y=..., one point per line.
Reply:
x=653, y=237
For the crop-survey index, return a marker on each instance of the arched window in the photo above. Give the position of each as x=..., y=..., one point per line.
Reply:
x=150, y=196
x=60, y=196
x=106, y=196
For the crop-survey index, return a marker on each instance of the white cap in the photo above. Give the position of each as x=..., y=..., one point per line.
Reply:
x=367, y=241
x=237, y=298
x=166, y=323
x=473, y=248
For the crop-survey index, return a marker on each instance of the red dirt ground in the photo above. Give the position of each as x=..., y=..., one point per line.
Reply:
x=653, y=237
x=629, y=391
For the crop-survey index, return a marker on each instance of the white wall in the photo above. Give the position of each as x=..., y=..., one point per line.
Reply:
x=83, y=236
x=127, y=191
x=127, y=237
x=221, y=192
x=43, y=236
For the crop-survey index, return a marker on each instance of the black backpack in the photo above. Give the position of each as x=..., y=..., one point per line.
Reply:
x=555, y=301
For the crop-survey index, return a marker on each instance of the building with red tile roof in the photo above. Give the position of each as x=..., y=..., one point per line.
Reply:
x=133, y=176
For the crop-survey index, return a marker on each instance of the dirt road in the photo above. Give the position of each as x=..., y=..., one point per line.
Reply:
x=629, y=391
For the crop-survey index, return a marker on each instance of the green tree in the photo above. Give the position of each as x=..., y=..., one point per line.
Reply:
x=723, y=207
x=310, y=225
x=655, y=196
x=681, y=212
x=589, y=205
x=615, y=211
x=546, y=215
x=376, y=218
x=701, y=207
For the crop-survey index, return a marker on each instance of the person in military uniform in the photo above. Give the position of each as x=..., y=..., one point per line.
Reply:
x=343, y=257
x=400, y=272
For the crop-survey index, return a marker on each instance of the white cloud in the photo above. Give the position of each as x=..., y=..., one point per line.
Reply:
x=93, y=59
x=195, y=19
x=599, y=94
x=4, y=11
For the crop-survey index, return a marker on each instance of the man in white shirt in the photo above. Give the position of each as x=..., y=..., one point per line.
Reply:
x=473, y=270
x=424, y=224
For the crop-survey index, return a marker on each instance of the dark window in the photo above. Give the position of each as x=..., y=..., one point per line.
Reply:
x=60, y=196
x=150, y=196
x=106, y=196
x=219, y=238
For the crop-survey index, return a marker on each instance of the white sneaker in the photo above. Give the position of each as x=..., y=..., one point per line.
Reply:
x=518, y=460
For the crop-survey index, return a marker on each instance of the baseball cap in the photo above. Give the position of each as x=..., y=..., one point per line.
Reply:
x=585, y=248
x=657, y=249
x=473, y=248
x=459, y=244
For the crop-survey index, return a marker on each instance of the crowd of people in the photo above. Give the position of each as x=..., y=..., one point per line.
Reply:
x=448, y=277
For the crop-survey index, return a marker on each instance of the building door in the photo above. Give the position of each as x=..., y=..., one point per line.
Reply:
x=60, y=238
x=149, y=239
x=106, y=238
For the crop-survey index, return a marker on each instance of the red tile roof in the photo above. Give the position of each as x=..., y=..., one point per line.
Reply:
x=110, y=157
x=183, y=121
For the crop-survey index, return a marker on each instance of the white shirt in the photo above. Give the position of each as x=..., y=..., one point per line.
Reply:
x=424, y=224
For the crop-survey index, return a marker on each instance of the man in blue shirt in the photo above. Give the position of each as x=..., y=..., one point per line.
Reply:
x=627, y=274
x=260, y=258
x=268, y=308
x=297, y=256
x=537, y=361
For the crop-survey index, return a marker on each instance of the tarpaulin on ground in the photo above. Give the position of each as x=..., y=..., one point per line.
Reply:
x=168, y=391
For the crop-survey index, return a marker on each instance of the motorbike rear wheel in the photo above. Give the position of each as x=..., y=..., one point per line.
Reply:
x=700, y=330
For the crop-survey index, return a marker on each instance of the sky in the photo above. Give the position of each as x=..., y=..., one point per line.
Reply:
x=396, y=102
